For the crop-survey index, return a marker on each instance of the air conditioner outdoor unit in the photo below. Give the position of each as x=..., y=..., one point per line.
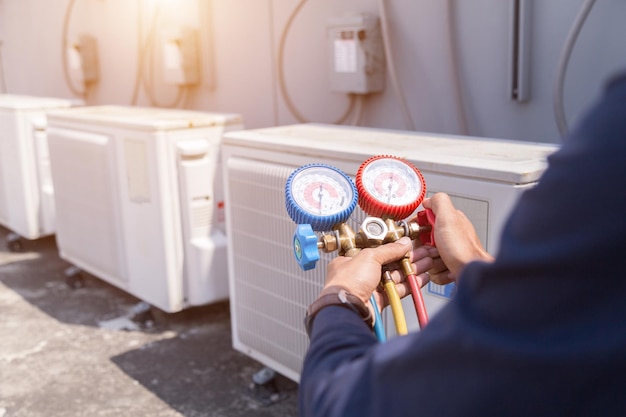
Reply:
x=139, y=200
x=269, y=293
x=26, y=193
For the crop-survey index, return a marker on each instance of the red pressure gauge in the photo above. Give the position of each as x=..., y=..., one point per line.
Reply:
x=389, y=186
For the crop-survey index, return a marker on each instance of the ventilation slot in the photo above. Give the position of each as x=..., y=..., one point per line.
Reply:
x=201, y=213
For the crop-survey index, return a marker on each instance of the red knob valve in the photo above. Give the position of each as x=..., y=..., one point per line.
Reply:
x=426, y=219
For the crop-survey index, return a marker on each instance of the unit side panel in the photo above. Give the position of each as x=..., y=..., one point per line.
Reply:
x=200, y=189
x=83, y=173
x=193, y=214
x=7, y=129
x=172, y=264
x=19, y=210
x=486, y=203
x=28, y=224
x=149, y=228
x=45, y=187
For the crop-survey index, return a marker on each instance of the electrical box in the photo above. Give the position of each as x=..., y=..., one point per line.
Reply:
x=26, y=192
x=180, y=56
x=82, y=56
x=139, y=200
x=269, y=293
x=356, y=54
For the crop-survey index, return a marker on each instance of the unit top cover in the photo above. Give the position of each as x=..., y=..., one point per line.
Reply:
x=485, y=158
x=14, y=102
x=144, y=118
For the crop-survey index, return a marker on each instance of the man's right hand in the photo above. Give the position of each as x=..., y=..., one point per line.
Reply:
x=456, y=238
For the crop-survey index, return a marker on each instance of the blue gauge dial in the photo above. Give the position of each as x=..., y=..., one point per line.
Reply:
x=320, y=195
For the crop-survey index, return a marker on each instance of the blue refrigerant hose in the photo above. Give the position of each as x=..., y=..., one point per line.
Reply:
x=379, y=330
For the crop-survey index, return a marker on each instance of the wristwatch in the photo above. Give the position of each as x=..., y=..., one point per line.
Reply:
x=340, y=298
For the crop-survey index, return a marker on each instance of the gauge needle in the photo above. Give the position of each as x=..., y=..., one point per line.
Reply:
x=390, y=187
x=321, y=195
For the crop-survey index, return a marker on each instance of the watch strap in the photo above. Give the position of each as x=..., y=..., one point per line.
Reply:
x=340, y=298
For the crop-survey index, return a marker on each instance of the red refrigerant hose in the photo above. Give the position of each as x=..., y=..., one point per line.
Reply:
x=426, y=219
x=418, y=300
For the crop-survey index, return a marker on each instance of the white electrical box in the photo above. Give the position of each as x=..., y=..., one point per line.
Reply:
x=26, y=193
x=181, y=64
x=269, y=293
x=356, y=54
x=139, y=200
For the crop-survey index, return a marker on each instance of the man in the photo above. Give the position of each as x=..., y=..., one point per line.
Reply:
x=538, y=331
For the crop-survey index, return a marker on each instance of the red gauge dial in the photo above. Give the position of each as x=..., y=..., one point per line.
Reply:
x=389, y=186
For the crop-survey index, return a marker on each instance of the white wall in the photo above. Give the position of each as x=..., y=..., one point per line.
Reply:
x=245, y=37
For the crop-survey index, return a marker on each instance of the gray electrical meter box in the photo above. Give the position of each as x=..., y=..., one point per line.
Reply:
x=356, y=54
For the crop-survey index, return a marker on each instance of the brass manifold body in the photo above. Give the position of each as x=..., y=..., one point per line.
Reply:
x=374, y=231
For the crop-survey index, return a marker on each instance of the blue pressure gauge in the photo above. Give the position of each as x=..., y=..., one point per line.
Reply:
x=320, y=195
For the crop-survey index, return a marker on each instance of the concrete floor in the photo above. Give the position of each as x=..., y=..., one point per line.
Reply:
x=82, y=352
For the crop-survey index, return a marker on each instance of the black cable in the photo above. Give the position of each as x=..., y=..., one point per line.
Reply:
x=559, y=107
x=453, y=49
x=393, y=76
x=66, y=24
x=137, y=85
x=3, y=81
x=281, y=75
x=147, y=52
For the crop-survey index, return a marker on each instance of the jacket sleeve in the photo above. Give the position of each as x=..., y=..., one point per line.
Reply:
x=339, y=339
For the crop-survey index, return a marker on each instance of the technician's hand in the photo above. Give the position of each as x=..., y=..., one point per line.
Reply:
x=361, y=274
x=456, y=238
x=425, y=261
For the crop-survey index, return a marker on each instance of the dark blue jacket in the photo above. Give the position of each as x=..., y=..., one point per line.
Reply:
x=540, y=332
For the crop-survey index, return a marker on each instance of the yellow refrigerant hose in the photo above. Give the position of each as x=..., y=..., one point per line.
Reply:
x=395, y=304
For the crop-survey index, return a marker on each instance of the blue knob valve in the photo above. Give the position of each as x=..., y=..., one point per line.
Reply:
x=305, y=247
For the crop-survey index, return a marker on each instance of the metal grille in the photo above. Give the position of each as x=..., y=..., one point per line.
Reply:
x=270, y=292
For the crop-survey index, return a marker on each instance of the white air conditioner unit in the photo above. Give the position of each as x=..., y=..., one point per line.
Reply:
x=269, y=293
x=139, y=200
x=26, y=194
